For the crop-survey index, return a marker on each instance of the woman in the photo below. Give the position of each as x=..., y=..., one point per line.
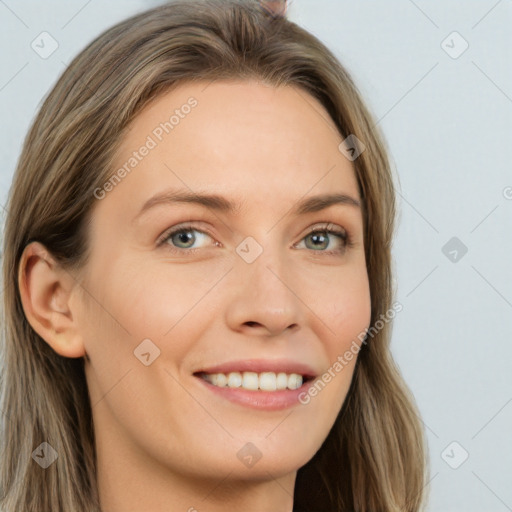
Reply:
x=249, y=370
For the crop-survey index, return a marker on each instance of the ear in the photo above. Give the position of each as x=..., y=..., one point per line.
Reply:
x=45, y=291
x=274, y=7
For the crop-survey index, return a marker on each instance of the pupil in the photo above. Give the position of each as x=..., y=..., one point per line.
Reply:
x=185, y=237
x=317, y=238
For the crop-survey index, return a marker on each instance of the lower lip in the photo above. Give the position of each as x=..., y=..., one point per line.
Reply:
x=261, y=400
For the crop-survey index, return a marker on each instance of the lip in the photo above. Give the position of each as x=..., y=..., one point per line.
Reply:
x=260, y=400
x=260, y=366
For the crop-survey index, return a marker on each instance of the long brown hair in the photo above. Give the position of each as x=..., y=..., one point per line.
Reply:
x=374, y=458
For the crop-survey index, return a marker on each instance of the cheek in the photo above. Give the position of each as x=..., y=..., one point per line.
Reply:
x=342, y=301
x=351, y=312
x=167, y=304
x=346, y=315
x=133, y=304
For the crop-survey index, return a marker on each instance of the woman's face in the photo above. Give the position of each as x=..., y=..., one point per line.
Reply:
x=259, y=288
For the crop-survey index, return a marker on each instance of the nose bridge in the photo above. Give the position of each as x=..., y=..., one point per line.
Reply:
x=262, y=262
x=264, y=294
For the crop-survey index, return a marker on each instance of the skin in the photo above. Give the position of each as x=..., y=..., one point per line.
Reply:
x=164, y=441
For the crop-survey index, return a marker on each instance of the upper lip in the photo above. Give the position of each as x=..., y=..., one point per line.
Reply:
x=260, y=366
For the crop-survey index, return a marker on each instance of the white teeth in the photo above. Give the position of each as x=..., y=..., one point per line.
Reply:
x=294, y=381
x=265, y=381
x=282, y=381
x=234, y=380
x=220, y=379
x=268, y=381
x=250, y=380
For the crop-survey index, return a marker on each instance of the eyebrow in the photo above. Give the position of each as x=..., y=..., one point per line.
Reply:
x=221, y=204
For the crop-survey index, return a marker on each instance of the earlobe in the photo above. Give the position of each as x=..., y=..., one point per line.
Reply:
x=45, y=289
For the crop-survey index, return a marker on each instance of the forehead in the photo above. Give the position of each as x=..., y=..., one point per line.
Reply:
x=244, y=139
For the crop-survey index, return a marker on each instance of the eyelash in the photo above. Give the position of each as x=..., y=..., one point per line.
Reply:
x=183, y=228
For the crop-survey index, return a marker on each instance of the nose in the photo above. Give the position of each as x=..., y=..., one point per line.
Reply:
x=265, y=302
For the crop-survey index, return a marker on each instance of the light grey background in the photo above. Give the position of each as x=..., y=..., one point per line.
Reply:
x=448, y=122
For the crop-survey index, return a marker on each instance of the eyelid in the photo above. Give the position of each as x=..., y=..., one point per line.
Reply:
x=329, y=227
x=184, y=226
x=326, y=226
x=332, y=229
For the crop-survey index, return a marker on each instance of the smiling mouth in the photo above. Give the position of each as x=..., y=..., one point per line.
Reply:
x=252, y=381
